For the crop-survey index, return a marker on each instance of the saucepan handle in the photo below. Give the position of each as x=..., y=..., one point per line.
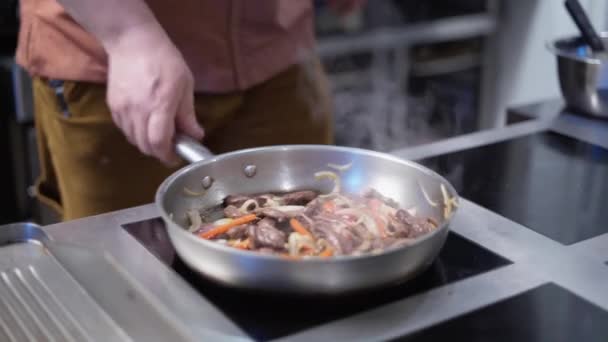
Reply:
x=190, y=149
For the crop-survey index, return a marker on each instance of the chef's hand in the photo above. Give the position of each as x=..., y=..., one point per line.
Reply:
x=345, y=7
x=150, y=91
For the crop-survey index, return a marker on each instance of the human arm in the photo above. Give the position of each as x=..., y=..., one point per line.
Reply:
x=150, y=87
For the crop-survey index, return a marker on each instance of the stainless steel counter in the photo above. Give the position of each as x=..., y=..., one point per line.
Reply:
x=536, y=260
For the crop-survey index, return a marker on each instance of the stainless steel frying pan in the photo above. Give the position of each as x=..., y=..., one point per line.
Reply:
x=287, y=168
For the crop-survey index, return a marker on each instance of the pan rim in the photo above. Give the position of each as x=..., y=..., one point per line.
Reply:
x=174, y=226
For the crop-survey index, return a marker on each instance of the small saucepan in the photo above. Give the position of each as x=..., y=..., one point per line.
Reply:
x=209, y=179
x=583, y=75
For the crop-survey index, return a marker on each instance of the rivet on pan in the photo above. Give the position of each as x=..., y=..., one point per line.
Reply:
x=207, y=182
x=250, y=170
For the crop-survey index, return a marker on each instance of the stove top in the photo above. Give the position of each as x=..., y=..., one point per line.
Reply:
x=279, y=316
x=550, y=183
x=546, y=313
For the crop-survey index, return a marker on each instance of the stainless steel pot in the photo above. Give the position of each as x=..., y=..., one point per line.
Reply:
x=287, y=168
x=583, y=75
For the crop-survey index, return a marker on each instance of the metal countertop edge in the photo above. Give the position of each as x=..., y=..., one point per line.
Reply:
x=168, y=291
x=104, y=233
x=472, y=140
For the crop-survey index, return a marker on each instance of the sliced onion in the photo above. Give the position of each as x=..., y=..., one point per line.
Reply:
x=370, y=224
x=322, y=245
x=332, y=176
x=195, y=220
x=193, y=193
x=454, y=201
x=412, y=211
x=271, y=201
x=447, y=202
x=340, y=168
x=222, y=221
x=246, y=204
x=364, y=246
x=289, y=208
x=297, y=241
x=276, y=200
x=426, y=196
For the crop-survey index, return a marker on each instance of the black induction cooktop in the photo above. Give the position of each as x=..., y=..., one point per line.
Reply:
x=550, y=183
x=546, y=313
x=284, y=315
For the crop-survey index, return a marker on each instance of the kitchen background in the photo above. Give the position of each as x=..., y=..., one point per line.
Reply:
x=403, y=72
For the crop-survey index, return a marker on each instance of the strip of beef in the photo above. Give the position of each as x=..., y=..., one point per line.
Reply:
x=263, y=199
x=417, y=226
x=232, y=211
x=343, y=239
x=349, y=240
x=238, y=232
x=313, y=208
x=298, y=197
x=280, y=214
x=397, y=228
x=322, y=229
x=274, y=214
x=373, y=193
x=266, y=234
x=236, y=200
x=361, y=232
x=210, y=214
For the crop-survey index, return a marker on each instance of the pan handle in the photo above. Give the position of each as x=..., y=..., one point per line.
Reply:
x=190, y=149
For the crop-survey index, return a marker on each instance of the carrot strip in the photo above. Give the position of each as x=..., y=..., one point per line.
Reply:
x=327, y=252
x=329, y=206
x=221, y=229
x=298, y=227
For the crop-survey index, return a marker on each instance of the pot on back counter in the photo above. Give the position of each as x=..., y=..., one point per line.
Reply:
x=583, y=75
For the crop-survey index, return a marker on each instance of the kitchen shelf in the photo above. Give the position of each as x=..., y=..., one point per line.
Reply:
x=445, y=65
x=461, y=27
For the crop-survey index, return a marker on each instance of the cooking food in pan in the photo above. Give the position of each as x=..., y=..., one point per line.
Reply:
x=307, y=224
x=259, y=171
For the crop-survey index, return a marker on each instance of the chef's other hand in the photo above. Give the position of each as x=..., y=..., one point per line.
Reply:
x=150, y=91
x=345, y=7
